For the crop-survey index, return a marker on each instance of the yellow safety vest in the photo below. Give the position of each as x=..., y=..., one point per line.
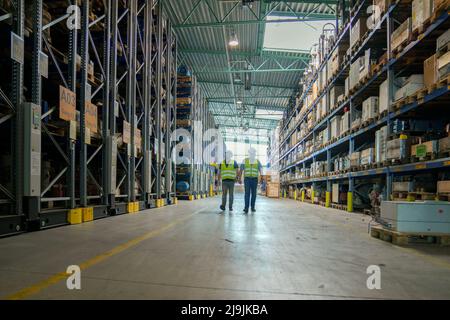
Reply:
x=251, y=170
x=228, y=171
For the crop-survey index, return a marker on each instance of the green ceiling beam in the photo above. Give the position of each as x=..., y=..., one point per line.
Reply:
x=226, y=70
x=319, y=17
x=249, y=141
x=305, y=1
x=265, y=54
x=220, y=99
x=253, y=85
x=262, y=27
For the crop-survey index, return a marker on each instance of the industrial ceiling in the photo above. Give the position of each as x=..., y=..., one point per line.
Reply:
x=238, y=81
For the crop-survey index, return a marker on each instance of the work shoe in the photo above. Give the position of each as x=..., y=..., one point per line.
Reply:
x=253, y=210
x=245, y=211
x=222, y=208
x=231, y=209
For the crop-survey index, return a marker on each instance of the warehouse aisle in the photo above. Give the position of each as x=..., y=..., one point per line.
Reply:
x=287, y=250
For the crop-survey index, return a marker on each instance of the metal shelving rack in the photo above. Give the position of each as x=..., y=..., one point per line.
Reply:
x=121, y=66
x=12, y=20
x=347, y=144
x=201, y=173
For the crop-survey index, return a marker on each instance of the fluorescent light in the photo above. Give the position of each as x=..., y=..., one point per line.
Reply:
x=239, y=101
x=267, y=114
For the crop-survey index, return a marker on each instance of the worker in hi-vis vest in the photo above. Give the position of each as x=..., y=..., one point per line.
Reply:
x=228, y=172
x=252, y=169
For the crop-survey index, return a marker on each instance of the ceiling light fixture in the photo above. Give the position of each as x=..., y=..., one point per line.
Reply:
x=234, y=42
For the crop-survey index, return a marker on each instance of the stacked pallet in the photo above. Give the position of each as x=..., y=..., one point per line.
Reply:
x=184, y=100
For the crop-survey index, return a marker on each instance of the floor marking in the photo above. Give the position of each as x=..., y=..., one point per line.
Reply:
x=24, y=293
x=425, y=257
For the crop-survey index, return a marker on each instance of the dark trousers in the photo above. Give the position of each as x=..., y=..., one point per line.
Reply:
x=250, y=185
x=227, y=187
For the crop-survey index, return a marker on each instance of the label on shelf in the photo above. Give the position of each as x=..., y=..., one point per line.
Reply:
x=67, y=104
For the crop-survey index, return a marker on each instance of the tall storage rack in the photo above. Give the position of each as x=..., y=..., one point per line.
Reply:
x=89, y=113
x=194, y=117
x=428, y=103
x=11, y=116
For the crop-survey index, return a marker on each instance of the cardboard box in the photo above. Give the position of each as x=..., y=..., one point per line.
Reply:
x=421, y=150
x=401, y=34
x=421, y=11
x=430, y=71
x=443, y=186
x=67, y=104
x=273, y=190
x=357, y=31
x=370, y=108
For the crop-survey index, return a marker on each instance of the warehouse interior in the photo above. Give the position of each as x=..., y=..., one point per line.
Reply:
x=117, y=118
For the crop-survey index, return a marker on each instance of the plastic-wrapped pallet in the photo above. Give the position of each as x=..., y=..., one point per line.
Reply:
x=367, y=156
x=383, y=100
x=365, y=64
x=357, y=31
x=355, y=159
x=421, y=11
x=335, y=127
x=401, y=34
x=381, y=144
x=411, y=85
x=335, y=92
x=370, y=108
x=345, y=122
x=399, y=149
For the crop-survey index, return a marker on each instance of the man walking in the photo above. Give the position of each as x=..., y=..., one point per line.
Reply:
x=252, y=169
x=228, y=174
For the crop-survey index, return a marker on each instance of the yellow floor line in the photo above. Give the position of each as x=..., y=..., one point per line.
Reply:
x=24, y=293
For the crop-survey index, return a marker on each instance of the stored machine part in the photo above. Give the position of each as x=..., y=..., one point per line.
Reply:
x=418, y=217
x=32, y=153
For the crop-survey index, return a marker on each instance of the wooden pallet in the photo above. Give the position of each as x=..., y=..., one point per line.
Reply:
x=394, y=162
x=399, y=49
x=406, y=238
x=399, y=103
x=381, y=115
x=443, y=197
x=429, y=156
x=339, y=206
x=399, y=196
x=421, y=196
x=417, y=33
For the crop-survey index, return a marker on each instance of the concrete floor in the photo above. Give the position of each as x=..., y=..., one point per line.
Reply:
x=286, y=250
